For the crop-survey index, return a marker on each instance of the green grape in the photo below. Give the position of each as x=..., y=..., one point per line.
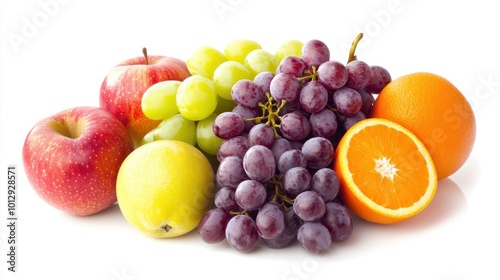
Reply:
x=226, y=75
x=237, y=50
x=205, y=137
x=260, y=60
x=176, y=128
x=224, y=105
x=158, y=102
x=196, y=98
x=291, y=47
x=149, y=137
x=204, y=60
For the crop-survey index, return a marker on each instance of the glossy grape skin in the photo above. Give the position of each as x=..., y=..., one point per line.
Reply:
x=323, y=123
x=226, y=75
x=289, y=235
x=338, y=221
x=237, y=50
x=314, y=237
x=225, y=199
x=250, y=195
x=260, y=60
x=204, y=60
x=212, y=227
x=309, y=206
x=332, y=75
x=196, y=98
x=296, y=180
x=347, y=101
x=206, y=139
x=228, y=125
x=380, y=78
x=263, y=80
x=295, y=126
x=291, y=158
x=318, y=152
x=314, y=53
x=261, y=134
x=241, y=233
x=326, y=183
x=230, y=172
x=247, y=93
x=236, y=146
x=313, y=97
x=176, y=128
x=259, y=163
x=247, y=113
x=349, y=121
x=359, y=74
x=285, y=87
x=270, y=221
x=293, y=65
x=158, y=102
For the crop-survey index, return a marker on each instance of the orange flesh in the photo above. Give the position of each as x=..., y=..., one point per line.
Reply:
x=398, y=157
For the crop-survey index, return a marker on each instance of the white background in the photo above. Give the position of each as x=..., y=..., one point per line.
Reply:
x=62, y=63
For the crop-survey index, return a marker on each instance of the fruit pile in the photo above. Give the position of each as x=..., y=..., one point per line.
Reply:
x=280, y=147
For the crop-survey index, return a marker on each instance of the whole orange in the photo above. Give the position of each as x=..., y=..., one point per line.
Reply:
x=436, y=112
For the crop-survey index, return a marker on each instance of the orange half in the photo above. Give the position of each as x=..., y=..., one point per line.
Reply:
x=386, y=173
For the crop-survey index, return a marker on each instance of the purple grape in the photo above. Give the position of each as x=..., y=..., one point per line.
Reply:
x=380, y=78
x=225, y=199
x=263, y=80
x=326, y=183
x=349, y=121
x=368, y=100
x=241, y=233
x=285, y=87
x=359, y=74
x=270, y=220
x=296, y=180
x=261, y=134
x=292, y=225
x=228, y=125
x=259, y=163
x=247, y=113
x=250, y=195
x=309, y=206
x=314, y=237
x=313, y=97
x=332, y=75
x=292, y=65
x=347, y=101
x=230, y=172
x=315, y=53
x=280, y=146
x=295, y=126
x=236, y=146
x=247, y=93
x=212, y=226
x=338, y=221
x=290, y=159
x=318, y=152
x=323, y=123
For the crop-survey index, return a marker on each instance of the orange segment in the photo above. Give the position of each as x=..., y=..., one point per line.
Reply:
x=386, y=173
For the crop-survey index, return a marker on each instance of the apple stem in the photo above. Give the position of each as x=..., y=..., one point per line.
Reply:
x=145, y=53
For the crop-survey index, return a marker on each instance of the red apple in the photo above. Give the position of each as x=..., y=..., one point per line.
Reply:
x=72, y=159
x=124, y=86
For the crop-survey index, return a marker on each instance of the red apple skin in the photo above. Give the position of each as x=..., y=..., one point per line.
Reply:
x=72, y=158
x=123, y=87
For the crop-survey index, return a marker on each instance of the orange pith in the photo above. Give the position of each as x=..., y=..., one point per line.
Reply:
x=386, y=173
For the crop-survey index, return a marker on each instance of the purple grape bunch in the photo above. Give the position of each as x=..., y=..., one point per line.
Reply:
x=275, y=178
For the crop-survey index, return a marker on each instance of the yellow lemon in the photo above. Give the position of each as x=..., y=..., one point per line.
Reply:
x=165, y=187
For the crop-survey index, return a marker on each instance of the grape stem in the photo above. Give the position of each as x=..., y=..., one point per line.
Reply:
x=279, y=194
x=354, y=45
x=270, y=114
x=145, y=53
x=312, y=75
